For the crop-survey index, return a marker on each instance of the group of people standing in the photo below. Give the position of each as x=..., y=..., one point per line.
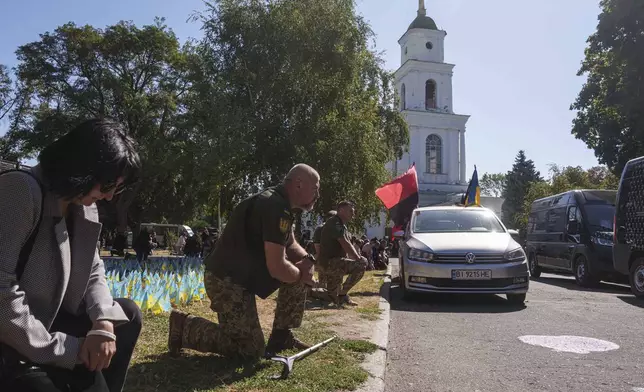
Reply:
x=60, y=328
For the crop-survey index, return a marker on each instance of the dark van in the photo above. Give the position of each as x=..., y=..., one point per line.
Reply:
x=572, y=232
x=628, y=251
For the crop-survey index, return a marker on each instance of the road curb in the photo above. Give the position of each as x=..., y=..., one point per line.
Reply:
x=375, y=363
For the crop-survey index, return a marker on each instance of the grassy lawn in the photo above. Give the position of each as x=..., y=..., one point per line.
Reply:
x=335, y=367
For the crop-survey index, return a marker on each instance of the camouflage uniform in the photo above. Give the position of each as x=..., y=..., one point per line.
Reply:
x=239, y=333
x=335, y=270
x=236, y=271
x=333, y=262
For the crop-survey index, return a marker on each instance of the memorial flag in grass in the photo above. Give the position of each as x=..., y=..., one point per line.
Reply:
x=473, y=195
x=400, y=196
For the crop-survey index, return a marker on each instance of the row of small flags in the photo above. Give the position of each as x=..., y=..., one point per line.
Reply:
x=400, y=196
x=157, y=285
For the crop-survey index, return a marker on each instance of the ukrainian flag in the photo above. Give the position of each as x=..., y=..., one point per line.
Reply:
x=473, y=195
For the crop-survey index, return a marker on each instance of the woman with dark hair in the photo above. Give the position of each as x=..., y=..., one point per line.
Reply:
x=60, y=328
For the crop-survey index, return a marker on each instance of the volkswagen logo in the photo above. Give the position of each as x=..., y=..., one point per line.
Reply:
x=470, y=258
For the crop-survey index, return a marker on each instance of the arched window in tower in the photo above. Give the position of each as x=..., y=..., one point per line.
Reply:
x=434, y=154
x=403, y=98
x=430, y=94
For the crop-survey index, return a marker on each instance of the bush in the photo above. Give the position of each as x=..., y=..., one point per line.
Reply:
x=171, y=239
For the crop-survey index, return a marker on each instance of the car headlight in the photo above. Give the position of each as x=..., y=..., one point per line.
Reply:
x=602, y=241
x=515, y=255
x=420, y=255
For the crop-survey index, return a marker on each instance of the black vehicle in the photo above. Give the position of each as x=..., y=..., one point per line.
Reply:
x=572, y=233
x=628, y=251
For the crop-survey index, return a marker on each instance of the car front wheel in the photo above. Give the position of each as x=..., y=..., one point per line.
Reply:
x=516, y=299
x=406, y=294
x=535, y=271
x=636, y=278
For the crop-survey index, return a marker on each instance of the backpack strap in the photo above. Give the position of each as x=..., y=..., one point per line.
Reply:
x=25, y=252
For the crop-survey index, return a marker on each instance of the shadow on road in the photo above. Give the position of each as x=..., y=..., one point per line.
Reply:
x=570, y=284
x=632, y=300
x=452, y=303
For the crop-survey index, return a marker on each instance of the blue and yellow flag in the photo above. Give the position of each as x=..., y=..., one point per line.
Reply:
x=473, y=195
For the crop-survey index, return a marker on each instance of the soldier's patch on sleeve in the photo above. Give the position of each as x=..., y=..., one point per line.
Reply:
x=284, y=225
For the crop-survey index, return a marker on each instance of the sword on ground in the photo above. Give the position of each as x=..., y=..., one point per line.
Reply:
x=287, y=362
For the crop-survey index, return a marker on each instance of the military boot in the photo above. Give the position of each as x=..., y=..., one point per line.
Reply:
x=346, y=300
x=175, y=333
x=283, y=339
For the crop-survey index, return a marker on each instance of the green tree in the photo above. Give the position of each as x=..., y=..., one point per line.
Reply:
x=135, y=75
x=297, y=81
x=493, y=184
x=6, y=92
x=518, y=181
x=609, y=107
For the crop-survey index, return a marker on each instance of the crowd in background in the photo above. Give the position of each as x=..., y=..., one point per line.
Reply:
x=376, y=251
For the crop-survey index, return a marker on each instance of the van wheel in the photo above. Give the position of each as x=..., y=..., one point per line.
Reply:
x=582, y=273
x=636, y=278
x=535, y=271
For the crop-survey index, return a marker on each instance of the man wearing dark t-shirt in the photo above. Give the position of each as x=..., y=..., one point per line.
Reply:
x=338, y=257
x=256, y=255
x=317, y=235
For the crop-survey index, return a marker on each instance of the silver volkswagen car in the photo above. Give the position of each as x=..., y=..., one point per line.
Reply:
x=461, y=250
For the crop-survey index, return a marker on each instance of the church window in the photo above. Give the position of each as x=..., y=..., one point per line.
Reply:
x=430, y=94
x=434, y=154
x=403, y=99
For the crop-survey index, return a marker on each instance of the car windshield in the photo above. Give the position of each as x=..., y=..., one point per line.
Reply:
x=600, y=216
x=456, y=221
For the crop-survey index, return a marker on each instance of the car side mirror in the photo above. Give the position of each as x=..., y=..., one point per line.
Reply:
x=573, y=227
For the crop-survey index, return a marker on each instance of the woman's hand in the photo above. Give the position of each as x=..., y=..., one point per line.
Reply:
x=97, y=351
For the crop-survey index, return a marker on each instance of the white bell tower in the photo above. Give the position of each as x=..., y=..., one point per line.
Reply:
x=437, y=134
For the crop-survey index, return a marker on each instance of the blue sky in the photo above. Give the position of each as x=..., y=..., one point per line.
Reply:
x=515, y=74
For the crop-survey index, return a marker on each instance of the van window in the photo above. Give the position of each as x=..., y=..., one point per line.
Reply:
x=556, y=220
x=540, y=221
x=561, y=200
x=600, y=216
x=607, y=197
x=574, y=215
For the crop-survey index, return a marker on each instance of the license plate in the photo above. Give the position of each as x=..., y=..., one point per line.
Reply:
x=471, y=274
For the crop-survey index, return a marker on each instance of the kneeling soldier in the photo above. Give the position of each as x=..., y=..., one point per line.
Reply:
x=338, y=257
x=256, y=255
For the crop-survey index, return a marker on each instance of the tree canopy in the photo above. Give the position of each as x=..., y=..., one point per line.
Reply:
x=493, y=184
x=297, y=81
x=609, y=106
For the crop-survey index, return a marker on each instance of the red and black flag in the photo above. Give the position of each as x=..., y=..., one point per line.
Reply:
x=400, y=196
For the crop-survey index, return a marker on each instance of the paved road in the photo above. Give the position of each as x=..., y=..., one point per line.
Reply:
x=471, y=344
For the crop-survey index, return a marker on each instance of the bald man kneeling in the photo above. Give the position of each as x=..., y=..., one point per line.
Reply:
x=256, y=255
